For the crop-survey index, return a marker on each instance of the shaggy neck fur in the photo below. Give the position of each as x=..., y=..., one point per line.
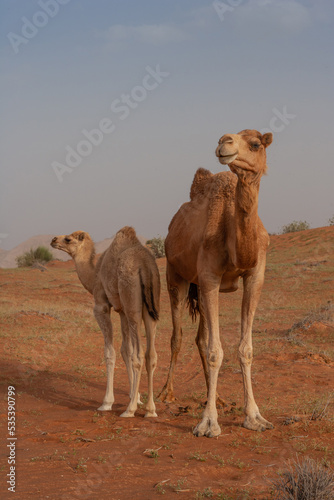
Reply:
x=246, y=221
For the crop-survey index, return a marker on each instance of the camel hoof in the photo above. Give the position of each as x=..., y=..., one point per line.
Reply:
x=208, y=428
x=150, y=414
x=128, y=414
x=220, y=402
x=257, y=423
x=139, y=401
x=166, y=397
x=105, y=407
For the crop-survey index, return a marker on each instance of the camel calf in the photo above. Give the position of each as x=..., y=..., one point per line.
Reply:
x=127, y=279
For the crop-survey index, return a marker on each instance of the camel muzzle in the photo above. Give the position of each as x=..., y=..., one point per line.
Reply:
x=54, y=242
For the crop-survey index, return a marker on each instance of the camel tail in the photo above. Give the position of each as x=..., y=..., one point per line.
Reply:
x=192, y=302
x=150, y=286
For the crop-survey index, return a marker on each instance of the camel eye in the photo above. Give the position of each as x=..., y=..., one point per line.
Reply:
x=68, y=240
x=255, y=146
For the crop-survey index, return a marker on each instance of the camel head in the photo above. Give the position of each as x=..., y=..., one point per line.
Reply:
x=77, y=244
x=244, y=152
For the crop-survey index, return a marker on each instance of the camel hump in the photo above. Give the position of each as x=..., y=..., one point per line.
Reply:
x=150, y=286
x=127, y=232
x=197, y=187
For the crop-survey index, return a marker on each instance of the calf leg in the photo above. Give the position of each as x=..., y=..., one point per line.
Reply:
x=102, y=315
x=151, y=360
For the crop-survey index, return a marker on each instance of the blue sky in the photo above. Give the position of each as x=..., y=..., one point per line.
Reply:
x=69, y=65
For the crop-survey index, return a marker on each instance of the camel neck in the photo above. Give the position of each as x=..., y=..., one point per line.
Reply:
x=86, y=272
x=246, y=222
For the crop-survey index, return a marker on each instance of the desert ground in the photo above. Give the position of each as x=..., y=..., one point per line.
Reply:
x=52, y=353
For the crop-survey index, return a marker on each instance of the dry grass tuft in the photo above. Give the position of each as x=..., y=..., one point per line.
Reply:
x=323, y=314
x=306, y=480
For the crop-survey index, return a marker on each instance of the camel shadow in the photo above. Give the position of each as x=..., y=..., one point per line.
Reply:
x=44, y=385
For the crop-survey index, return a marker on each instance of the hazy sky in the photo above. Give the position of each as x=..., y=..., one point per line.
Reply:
x=162, y=81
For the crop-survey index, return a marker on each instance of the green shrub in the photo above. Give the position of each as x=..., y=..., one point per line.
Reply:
x=39, y=255
x=331, y=221
x=294, y=226
x=157, y=245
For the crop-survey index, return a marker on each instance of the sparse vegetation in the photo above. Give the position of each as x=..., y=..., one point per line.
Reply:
x=197, y=456
x=40, y=255
x=81, y=465
x=206, y=493
x=306, y=480
x=157, y=245
x=323, y=313
x=295, y=226
x=331, y=221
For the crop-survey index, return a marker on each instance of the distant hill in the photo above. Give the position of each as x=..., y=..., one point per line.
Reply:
x=8, y=257
x=101, y=246
x=3, y=253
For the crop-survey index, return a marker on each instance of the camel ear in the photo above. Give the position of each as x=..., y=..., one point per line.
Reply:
x=81, y=236
x=267, y=139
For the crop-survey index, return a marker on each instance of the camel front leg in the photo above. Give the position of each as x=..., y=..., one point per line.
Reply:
x=252, y=290
x=102, y=315
x=202, y=345
x=178, y=292
x=209, y=425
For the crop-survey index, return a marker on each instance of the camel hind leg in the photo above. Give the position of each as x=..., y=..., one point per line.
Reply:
x=126, y=350
x=178, y=292
x=131, y=300
x=151, y=360
x=136, y=360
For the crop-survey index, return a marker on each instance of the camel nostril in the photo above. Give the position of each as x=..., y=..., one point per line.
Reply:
x=227, y=139
x=54, y=239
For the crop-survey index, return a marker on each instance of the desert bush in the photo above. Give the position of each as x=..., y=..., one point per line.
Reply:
x=157, y=245
x=331, y=221
x=294, y=226
x=306, y=480
x=39, y=255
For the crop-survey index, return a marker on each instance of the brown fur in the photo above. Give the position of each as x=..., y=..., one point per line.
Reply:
x=213, y=240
